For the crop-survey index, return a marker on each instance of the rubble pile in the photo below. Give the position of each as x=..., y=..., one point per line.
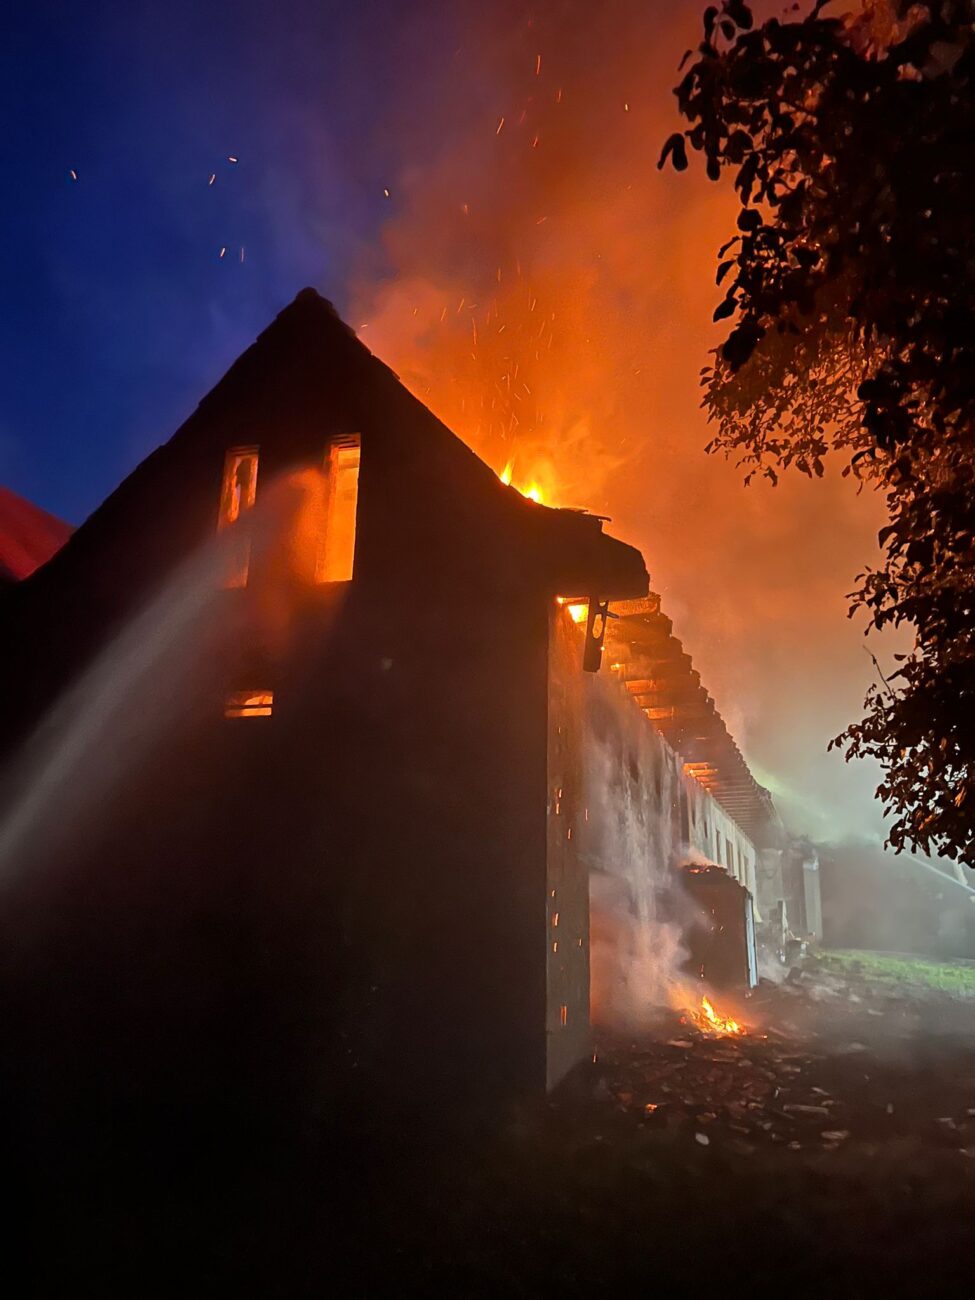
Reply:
x=826, y=1062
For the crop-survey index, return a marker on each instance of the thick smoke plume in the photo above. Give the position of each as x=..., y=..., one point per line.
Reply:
x=549, y=293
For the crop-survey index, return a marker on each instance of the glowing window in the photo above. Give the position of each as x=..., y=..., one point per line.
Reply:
x=336, y=556
x=578, y=609
x=249, y=704
x=237, y=496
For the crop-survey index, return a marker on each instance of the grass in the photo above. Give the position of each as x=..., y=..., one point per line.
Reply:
x=901, y=968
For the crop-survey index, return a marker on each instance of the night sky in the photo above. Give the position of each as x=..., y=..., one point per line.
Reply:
x=118, y=311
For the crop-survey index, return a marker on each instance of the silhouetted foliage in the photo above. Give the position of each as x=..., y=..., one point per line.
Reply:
x=851, y=284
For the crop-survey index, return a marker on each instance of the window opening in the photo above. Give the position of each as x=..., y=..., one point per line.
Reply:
x=237, y=495
x=336, y=556
x=249, y=704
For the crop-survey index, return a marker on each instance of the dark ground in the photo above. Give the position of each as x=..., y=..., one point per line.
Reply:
x=828, y=1152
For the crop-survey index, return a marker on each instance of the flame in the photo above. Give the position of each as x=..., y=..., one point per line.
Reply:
x=532, y=492
x=578, y=610
x=709, y=1021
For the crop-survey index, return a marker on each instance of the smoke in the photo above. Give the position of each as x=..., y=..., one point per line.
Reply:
x=522, y=250
x=635, y=954
x=549, y=293
x=167, y=666
x=638, y=916
x=73, y=762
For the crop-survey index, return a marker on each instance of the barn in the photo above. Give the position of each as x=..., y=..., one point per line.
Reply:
x=320, y=735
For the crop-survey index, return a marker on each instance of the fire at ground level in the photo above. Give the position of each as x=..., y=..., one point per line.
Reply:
x=827, y=1149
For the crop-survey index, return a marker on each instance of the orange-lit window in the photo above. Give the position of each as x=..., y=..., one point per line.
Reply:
x=237, y=496
x=578, y=609
x=336, y=556
x=563, y=1014
x=249, y=704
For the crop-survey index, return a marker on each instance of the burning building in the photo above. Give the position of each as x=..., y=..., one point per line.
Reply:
x=321, y=734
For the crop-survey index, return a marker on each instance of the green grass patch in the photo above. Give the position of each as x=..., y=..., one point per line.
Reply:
x=900, y=968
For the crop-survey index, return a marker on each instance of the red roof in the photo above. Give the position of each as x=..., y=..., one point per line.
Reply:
x=29, y=536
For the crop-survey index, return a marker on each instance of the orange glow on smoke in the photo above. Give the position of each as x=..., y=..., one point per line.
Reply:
x=290, y=526
x=567, y=351
x=314, y=538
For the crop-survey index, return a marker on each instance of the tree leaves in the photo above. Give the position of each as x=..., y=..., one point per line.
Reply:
x=852, y=283
x=725, y=308
x=741, y=343
x=739, y=13
x=676, y=150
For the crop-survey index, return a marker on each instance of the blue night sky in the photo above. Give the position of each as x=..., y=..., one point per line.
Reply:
x=118, y=311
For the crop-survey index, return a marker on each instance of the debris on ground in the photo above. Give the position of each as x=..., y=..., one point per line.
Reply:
x=827, y=1059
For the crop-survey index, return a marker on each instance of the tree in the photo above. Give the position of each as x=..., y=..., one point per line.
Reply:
x=849, y=287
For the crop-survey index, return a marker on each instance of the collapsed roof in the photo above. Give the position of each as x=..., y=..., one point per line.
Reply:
x=660, y=677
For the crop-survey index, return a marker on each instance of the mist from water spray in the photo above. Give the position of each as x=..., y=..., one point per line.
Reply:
x=632, y=789
x=164, y=666
x=112, y=718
